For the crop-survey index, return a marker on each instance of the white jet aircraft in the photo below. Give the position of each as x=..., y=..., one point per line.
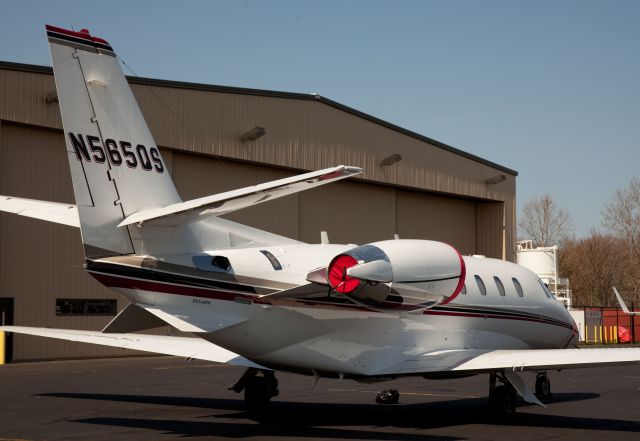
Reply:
x=251, y=298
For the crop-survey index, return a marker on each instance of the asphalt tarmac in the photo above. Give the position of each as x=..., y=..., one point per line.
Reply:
x=165, y=398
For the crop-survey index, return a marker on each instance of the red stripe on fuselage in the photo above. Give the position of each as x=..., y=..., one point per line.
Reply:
x=182, y=290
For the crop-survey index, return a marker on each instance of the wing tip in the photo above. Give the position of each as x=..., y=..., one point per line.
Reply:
x=353, y=170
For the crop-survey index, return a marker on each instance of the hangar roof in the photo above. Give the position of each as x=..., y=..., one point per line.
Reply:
x=276, y=94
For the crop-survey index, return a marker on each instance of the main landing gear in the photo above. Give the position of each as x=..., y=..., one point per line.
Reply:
x=503, y=398
x=259, y=387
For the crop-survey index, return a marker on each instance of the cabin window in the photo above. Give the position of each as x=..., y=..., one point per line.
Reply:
x=86, y=306
x=481, y=287
x=499, y=285
x=221, y=262
x=272, y=260
x=518, y=287
x=464, y=289
x=206, y=262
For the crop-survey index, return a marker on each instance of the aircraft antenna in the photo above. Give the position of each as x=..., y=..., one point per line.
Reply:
x=170, y=110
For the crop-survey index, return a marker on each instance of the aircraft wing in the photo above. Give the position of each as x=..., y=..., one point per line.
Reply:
x=518, y=360
x=66, y=214
x=550, y=359
x=188, y=347
x=226, y=202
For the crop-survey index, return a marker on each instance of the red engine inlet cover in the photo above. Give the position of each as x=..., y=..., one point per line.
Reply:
x=337, y=274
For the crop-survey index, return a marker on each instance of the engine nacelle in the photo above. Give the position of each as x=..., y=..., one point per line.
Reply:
x=412, y=272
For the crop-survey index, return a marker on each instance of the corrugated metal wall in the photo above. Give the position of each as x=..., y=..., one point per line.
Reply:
x=301, y=134
x=435, y=217
x=197, y=176
x=489, y=229
x=351, y=212
x=40, y=262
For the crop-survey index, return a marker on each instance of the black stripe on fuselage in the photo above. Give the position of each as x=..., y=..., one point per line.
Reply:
x=156, y=276
x=410, y=282
x=161, y=276
x=498, y=313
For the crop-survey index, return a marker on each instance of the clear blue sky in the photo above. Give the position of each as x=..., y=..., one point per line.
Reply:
x=548, y=88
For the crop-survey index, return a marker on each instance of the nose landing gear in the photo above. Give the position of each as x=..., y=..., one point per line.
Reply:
x=543, y=385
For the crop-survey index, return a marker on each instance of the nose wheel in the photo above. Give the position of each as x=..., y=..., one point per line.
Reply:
x=543, y=385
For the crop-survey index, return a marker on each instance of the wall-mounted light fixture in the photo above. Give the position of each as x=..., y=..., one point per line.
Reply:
x=390, y=160
x=253, y=134
x=52, y=97
x=496, y=179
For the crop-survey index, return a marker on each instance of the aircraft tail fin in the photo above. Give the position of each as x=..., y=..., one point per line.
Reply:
x=116, y=167
x=623, y=305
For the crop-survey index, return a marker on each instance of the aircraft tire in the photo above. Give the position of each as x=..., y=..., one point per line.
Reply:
x=543, y=386
x=257, y=394
x=388, y=396
x=503, y=403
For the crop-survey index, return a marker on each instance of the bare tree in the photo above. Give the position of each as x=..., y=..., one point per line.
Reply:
x=622, y=217
x=544, y=222
x=593, y=265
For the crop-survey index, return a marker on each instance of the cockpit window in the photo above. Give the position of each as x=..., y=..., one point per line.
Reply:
x=545, y=289
x=481, y=287
x=518, y=287
x=499, y=285
x=272, y=259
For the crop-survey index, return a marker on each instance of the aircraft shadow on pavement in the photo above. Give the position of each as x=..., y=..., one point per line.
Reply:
x=323, y=420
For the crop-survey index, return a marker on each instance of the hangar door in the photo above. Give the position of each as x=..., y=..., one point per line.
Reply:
x=350, y=211
x=434, y=217
x=198, y=176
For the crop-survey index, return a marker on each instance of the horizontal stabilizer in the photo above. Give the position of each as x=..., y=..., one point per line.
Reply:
x=187, y=347
x=65, y=214
x=229, y=201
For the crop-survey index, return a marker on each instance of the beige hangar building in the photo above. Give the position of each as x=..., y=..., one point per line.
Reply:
x=214, y=139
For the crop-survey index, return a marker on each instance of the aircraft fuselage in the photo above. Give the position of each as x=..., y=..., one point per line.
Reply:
x=328, y=333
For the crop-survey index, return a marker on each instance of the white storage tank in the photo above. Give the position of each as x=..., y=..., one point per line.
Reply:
x=539, y=260
x=543, y=262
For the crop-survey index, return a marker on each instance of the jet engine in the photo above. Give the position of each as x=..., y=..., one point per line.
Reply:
x=405, y=274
